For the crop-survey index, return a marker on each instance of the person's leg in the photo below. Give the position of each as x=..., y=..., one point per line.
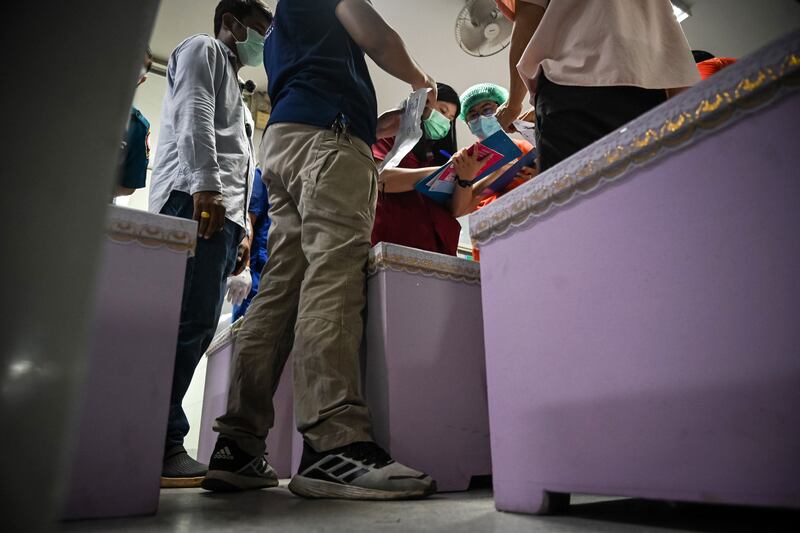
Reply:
x=338, y=212
x=571, y=118
x=339, y=458
x=204, y=288
x=332, y=186
x=265, y=340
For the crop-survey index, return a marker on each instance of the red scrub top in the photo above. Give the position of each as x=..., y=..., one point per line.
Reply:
x=411, y=218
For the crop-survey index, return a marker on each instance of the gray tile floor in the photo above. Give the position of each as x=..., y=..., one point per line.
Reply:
x=197, y=511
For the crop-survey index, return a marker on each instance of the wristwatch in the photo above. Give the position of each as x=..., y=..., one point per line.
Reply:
x=463, y=183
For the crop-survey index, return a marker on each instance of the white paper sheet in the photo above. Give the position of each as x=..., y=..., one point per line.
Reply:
x=410, y=131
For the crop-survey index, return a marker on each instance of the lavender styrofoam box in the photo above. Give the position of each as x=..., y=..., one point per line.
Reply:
x=215, y=397
x=641, y=305
x=116, y=463
x=425, y=370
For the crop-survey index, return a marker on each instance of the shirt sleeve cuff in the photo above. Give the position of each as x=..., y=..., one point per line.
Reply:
x=205, y=182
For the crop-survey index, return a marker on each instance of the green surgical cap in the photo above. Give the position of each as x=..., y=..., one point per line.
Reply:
x=481, y=93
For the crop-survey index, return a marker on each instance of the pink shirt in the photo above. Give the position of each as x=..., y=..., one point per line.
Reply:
x=597, y=43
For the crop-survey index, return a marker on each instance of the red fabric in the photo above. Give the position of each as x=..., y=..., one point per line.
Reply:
x=410, y=218
x=507, y=7
x=709, y=67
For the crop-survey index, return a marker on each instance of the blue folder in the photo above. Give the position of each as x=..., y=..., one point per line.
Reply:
x=527, y=160
x=499, y=142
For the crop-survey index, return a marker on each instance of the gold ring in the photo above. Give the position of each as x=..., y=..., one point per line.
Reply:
x=205, y=214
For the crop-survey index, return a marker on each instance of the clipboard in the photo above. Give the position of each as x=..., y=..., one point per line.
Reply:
x=527, y=160
x=499, y=149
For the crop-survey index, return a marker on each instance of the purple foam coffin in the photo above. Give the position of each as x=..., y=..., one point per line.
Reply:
x=215, y=397
x=641, y=305
x=425, y=370
x=116, y=465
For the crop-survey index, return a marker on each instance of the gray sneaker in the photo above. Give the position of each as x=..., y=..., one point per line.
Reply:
x=179, y=471
x=359, y=471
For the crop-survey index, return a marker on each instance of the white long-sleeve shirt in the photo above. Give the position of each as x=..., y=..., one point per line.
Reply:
x=203, y=143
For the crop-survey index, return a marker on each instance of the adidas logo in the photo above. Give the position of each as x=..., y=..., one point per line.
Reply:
x=224, y=453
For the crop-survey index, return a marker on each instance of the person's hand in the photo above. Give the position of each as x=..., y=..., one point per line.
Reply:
x=507, y=114
x=467, y=166
x=243, y=256
x=239, y=287
x=427, y=83
x=208, y=212
x=526, y=173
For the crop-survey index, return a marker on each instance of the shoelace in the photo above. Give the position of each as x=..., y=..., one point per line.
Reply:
x=369, y=454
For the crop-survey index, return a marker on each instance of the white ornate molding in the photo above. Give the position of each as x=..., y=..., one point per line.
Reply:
x=733, y=93
x=150, y=230
x=385, y=256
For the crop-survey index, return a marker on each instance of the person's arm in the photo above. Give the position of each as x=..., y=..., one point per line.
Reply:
x=466, y=200
x=527, y=19
x=194, y=97
x=402, y=179
x=243, y=253
x=467, y=167
x=252, y=217
x=381, y=43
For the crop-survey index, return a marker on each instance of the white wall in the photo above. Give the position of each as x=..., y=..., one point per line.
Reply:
x=736, y=28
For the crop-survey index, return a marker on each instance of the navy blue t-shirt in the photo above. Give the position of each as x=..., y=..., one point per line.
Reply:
x=316, y=71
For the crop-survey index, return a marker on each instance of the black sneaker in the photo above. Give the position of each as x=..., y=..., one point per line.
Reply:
x=232, y=470
x=359, y=471
x=180, y=471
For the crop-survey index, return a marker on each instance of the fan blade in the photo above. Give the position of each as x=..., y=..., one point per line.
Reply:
x=470, y=37
x=482, y=12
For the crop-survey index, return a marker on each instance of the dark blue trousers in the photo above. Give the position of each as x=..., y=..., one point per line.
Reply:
x=203, y=293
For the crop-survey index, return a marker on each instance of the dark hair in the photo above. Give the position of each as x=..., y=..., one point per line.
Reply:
x=450, y=143
x=239, y=9
x=702, y=55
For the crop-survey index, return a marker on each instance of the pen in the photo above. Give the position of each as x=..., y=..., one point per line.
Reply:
x=444, y=153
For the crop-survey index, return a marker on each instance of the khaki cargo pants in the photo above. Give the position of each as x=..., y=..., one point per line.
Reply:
x=322, y=194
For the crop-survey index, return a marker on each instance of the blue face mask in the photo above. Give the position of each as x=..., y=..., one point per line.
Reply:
x=484, y=127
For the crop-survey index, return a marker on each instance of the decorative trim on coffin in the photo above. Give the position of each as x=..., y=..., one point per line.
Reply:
x=386, y=256
x=126, y=226
x=224, y=337
x=728, y=96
